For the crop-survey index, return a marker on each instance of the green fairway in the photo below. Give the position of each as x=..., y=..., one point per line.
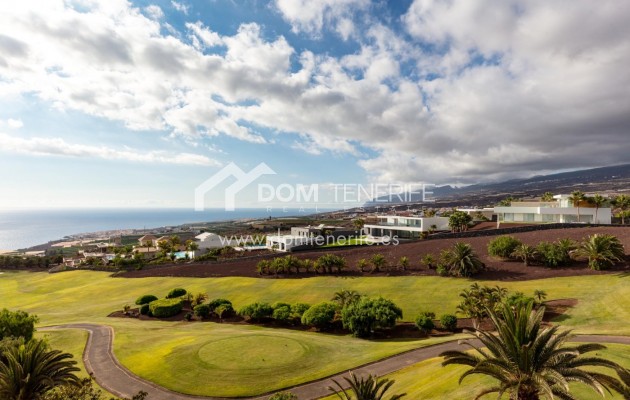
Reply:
x=428, y=380
x=70, y=341
x=246, y=359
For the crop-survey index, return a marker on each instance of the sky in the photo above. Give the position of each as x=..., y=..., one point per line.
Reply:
x=118, y=103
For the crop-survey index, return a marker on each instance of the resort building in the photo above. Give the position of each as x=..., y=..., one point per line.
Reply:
x=209, y=240
x=561, y=210
x=405, y=226
x=323, y=230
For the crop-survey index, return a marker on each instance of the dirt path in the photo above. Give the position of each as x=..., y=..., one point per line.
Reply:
x=100, y=361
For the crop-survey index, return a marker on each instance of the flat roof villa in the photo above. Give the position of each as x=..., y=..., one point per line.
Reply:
x=561, y=210
x=405, y=226
x=288, y=242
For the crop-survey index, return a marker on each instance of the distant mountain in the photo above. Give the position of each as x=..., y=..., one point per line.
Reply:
x=604, y=179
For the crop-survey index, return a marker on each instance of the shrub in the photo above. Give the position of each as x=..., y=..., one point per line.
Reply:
x=224, y=310
x=518, y=299
x=126, y=308
x=428, y=260
x=146, y=299
x=441, y=270
x=461, y=260
x=165, y=308
x=298, y=309
x=282, y=313
x=188, y=316
x=448, y=322
x=202, y=310
x=525, y=253
x=144, y=309
x=403, y=263
x=363, y=316
x=17, y=324
x=177, y=292
x=378, y=261
x=554, y=254
x=503, y=246
x=320, y=315
x=263, y=267
x=216, y=303
x=602, y=251
x=424, y=321
x=256, y=311
x=362, y=265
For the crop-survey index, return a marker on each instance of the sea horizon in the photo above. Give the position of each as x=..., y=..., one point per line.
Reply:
x=22, y=228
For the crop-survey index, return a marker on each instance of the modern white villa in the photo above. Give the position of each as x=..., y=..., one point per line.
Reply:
x=288, y=242
x=561, y=210
x=405, y=227
x=209, y=240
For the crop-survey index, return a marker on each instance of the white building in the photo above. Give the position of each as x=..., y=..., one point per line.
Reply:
x=405, y=227
x=561, y=210
x=209, y=240
x=288, y=242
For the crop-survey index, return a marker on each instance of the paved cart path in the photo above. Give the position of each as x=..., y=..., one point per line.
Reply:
x=110, y=374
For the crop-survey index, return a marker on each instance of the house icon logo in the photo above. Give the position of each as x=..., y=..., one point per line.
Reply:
x=242, y=181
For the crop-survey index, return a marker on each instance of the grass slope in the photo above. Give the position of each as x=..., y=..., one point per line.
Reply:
x=182, y=356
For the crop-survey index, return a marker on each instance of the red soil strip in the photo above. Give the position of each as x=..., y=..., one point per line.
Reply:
x=501, y=270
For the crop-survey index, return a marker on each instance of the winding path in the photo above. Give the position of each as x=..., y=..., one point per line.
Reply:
x=100, y=361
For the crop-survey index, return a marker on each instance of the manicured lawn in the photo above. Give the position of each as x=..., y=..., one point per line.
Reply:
x=70, y=341
x=428, y=380
x=247, y=359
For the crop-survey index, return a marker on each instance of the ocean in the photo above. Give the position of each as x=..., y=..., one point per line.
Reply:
x=25, y=228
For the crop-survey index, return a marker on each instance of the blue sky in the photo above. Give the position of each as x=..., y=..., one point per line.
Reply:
x=134, y=104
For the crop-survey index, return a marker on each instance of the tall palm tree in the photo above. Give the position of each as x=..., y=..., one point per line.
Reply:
x=602, y=251
x=529, y=362
x=622, y=202
x=369, y=388
x=577, y=197
x=28, y=370
x=548, y=196
x=461, y=260
x=598, y=200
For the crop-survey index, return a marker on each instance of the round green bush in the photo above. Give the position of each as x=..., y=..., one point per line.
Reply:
x=298, y=309
x=320, y=315
x=282, y=313
x=363, y=316
x=146, y=299
x=448, y=322
x=202, y=311
x=503, y=246
x=256, y=311
x=224, y=311
x=214, y=304
x=144, y=309
x=177, y=292
x=165, y=308
x=424, y=322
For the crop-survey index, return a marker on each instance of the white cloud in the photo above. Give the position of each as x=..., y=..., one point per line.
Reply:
x=155, y=12
x=58, y=147
x=509, y=88
x=310, y=15
x=181, y=7
x=12, y=123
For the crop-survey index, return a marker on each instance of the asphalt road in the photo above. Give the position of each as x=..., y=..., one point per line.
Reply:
x=100, y=361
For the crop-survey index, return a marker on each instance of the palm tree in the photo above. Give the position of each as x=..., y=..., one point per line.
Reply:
x=540, y=295
x=576, y=197
x=622, y=202
x=602, y=251
x=525, y=253
x=345, y=297
x=369, y=388
x=378, y=261
x=529, y=362
x=461, y=260
x=548, y=196
x=598, y=200
x=358, y=223
x=28, y=370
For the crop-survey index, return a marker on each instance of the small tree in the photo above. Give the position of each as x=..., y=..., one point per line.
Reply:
x=367, y=314
x=362, y=264
x=461, y=260
x=199, y=298
x=346, y=297
x=328, y=262
x=477, y=301
x=403, y=263
x=320, y=315
x=449, y=322
x=602, y=251
x=540, y=296
x=503, y=246
x=459, y=221
x=525, y=253
x=424, y=321
x=378, y=261
x=17, y=324
x=428, y=260
x=576, y=198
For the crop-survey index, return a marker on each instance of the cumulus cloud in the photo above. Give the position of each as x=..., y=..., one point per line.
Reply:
x=181, y=7
x=12, y=123
x=469, y=91
x=59, y=147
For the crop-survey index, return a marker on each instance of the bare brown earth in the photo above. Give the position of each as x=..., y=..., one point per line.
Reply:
x=504, y=270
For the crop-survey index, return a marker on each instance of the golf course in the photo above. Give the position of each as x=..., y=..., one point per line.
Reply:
x=221, y=359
